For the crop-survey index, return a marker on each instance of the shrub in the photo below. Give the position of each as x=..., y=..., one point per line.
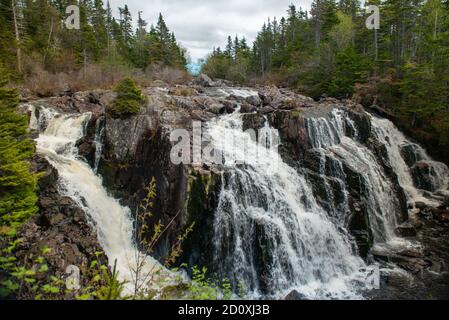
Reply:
x=129, y=99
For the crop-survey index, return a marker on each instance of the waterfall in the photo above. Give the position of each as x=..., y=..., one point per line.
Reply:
x=269, y=232
x=112, y=221
x=99, y=135
x=272, y=233
x=395, y=143
x=335, y=138
x=242, y=93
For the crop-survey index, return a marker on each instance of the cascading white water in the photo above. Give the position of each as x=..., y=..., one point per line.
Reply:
x=242, y=93
x=329, y=137
x=99, y=133
x=335, y=138
x=395, y=141
x=275, y=210
x=78, y=181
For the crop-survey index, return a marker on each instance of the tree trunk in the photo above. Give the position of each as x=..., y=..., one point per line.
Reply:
x=376, y=45
x=48, y=41
x=16, y=28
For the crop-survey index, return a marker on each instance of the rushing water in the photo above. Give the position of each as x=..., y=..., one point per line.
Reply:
x=276, y=211
x=329, y=136
x=99, y=136
x=77, y=180
x=395, y=141
x=271, y=234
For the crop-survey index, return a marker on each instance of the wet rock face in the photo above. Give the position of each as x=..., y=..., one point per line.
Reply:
x=423, y=270
x=253, y=121
x=362, y=123
x=406, y=230
x=426, y=176
x=87, y=146
x=203, y=188
x=410, y=154
x=381, y=153
x=127, y=168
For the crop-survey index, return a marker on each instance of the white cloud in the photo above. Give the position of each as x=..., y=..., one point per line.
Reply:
x=200, y=25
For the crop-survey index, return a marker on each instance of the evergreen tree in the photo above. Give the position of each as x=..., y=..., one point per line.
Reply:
x=17, y=184
x=128, y=101
x=100, y=23
x=7, y=42
x=229, y=47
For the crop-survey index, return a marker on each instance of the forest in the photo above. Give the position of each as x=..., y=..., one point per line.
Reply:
x=41, y=53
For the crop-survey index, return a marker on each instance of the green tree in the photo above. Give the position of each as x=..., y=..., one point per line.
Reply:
x=129, y=99
x=350, y=68
x=17, y=183
x=7, y=40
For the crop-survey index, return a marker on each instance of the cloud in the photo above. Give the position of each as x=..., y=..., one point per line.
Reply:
x=201, y=25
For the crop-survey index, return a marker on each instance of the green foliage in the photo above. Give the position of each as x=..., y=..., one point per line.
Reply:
x=350, y=68
x=129, y=99
x=202, y=287
x=7, y=53
x=17, y=183
x=104, y=284
x=35, y=281
x=233, y=64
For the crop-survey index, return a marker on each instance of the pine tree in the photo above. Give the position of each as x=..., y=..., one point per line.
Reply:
x=109, y=23
x=128, y=101
x=99, y=24
x=89, y=47
x=7, y=41
x=229, y=47
x=17, y=184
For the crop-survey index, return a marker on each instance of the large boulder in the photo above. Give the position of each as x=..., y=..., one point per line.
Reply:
x=406, y=229
x=295, y=296
x=204, y=80
x=253, y=121
x=411, y=153
x=429, y=175
x=283, y=99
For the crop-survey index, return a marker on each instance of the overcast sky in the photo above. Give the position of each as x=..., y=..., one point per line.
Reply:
x=200, y=25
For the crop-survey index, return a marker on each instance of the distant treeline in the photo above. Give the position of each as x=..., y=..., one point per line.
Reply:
x=330, y=51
